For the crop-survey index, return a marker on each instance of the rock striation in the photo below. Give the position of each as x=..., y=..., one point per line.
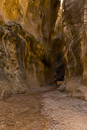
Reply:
x=40, y=43
x=75, y=47
x=25, y=31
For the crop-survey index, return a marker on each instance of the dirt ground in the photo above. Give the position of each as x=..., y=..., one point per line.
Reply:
x=51, y=110
x=21, y=112
x=64, y=113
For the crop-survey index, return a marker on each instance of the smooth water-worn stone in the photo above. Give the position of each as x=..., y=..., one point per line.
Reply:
x=41, y=43
x=75, y=42
x=26, y=59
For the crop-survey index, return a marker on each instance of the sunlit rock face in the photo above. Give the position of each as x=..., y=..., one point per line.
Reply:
x=40, y=43
x=26, y=55
x=34, y=15
x=75, y=47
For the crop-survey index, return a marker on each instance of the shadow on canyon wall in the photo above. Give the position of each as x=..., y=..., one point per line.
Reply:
x=40, y=43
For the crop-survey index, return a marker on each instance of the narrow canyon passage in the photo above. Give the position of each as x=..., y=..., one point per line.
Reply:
x=43, y=64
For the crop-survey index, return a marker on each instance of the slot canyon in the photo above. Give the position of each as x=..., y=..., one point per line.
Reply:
x=43, y=64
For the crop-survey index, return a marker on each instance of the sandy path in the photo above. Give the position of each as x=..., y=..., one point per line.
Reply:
x=21, y=112
x=63, y=112
x=49, y=110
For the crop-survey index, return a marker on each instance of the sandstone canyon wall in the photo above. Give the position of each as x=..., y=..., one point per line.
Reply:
x=41, y=43
x=25, y=31
x=75, y=47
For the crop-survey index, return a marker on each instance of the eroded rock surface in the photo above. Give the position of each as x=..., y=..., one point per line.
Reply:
x=75, y=47
x=41, y=43
x=25, y=56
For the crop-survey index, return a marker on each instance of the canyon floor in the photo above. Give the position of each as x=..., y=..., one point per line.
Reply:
x=49, y=110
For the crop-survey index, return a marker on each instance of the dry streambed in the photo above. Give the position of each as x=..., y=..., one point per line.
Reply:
x=51, y=110
x=64, y=113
